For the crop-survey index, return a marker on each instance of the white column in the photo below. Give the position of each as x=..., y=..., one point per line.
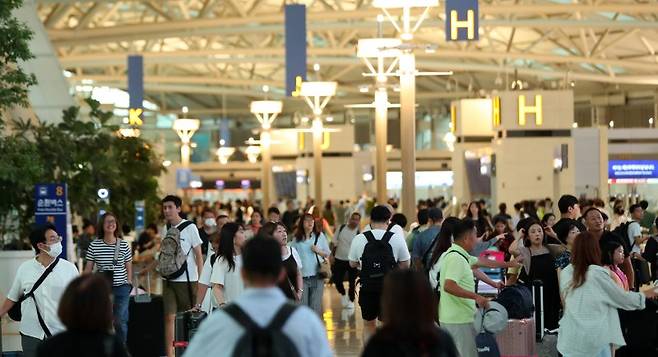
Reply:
x=381, y=127
x=317, y=160
x=266, y=168
x=408, y=133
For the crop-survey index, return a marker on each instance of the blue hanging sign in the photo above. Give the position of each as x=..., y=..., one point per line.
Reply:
x=136, y=90
x=140, y=213
x=632, y=169
x=295, y=17
x=183, y=178
x=50, y=206
x=462, y=20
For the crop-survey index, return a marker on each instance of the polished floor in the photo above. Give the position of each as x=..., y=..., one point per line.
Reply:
x=344, y=326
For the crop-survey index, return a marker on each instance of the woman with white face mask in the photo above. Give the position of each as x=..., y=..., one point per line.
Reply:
x=209, y=227
x=39, y=310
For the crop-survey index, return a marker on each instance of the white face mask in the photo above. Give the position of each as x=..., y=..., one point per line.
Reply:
x=210, y=222
x=55, y=250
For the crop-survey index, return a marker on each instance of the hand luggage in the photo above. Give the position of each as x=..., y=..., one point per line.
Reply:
x=187, y=323
x=520, y=338
x=146, y=324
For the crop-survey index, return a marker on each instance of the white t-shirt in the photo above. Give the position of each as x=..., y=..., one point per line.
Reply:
x=209, y=300
x=230, y=279
x=48, y=295
x=295, y=255
x=397, y=242
x=344, y=242
x=634, y=230
x=395, y=229
x=189, y=239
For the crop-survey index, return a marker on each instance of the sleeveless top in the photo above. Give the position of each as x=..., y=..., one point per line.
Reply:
x=288, y=285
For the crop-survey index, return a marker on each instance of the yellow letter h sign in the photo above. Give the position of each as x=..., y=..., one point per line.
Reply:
x=468, y=24
x=537, y=110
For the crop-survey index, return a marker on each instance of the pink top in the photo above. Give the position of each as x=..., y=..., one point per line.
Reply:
x=619, y=277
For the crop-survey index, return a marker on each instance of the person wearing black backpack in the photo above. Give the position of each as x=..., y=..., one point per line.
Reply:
x=261, y=322
x=38, y=288
x=376, y=252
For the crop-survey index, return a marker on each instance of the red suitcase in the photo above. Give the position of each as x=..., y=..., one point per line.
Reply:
x=518, y=339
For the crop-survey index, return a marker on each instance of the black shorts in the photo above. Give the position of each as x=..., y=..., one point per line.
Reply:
x=370, y=303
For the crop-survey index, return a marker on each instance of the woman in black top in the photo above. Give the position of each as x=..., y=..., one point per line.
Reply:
x=86, y=311
x=409, y=329
x=477, y=216
x=292, y=285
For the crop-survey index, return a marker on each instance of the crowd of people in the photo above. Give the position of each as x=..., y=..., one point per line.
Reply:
x=265, y=272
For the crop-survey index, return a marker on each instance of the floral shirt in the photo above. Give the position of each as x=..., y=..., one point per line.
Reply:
x=563, y=260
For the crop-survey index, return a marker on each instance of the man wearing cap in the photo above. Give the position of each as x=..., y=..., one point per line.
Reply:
x=595, y=222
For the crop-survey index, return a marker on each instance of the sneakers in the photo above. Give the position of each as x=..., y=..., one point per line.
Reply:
x=344, y=300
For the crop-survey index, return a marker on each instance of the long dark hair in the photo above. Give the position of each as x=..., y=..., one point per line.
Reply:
x=586, y=252
x=300, y=235
x=444, y=238
x=608, y=253
x=410, y=323
x=226, y=246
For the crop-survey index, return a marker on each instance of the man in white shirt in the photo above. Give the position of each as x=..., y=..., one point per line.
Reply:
x=369, y=296
x=48, y=245
x=178, y=293
x=260, y=303
x=634, y=234
x=344, y=237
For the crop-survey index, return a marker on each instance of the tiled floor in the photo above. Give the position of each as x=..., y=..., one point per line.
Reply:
x=344, y=326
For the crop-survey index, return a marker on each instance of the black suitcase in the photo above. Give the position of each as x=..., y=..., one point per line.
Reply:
x=146, y=324
x=187, y=323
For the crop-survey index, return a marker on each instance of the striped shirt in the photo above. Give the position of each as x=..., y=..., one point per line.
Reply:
x=102, y=254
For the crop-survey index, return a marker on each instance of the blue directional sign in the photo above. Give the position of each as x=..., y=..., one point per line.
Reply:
x=295, y=15
x=50, y=206
x=462, y=20
x=140, y=213
x=632, y=169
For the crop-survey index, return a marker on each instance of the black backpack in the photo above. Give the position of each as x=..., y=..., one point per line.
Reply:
x=622, y=231
x=267, y=341
x=376, y=261
x=517, y=300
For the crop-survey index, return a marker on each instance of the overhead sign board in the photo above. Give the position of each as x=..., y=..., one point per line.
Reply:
x=295, y=17
x=136, y=90
x=51, y=207
x=632, y=169
x=462, y=20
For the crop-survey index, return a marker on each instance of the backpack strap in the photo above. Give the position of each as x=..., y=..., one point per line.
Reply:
x=369, y=236
x=241, y=317
x=282, y=316
x=40, y=280
x=184, y=225
x=390, y=226
x=387, y=237
x=42, y=322
x=340, y=229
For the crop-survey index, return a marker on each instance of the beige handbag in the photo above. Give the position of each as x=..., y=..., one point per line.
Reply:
x=324, y=268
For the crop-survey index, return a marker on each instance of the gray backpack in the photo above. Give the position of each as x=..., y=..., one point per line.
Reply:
x=172, y=261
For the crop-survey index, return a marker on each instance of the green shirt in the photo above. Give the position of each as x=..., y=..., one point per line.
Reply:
x=453, y=266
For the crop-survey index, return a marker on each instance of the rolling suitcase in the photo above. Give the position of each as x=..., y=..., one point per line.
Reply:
x=187, y=323
x=146, y=325
x=520, y=338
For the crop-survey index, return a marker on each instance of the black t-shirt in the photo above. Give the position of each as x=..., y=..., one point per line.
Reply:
x=205, y=237
x=561, y=227
x=82, y=344
x=386, y=343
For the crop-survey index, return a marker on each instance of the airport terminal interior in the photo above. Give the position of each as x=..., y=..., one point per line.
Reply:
x=153, y=151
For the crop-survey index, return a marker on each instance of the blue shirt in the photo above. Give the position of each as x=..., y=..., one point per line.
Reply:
x=423, y=241
x=309, y=260
x=219, y=333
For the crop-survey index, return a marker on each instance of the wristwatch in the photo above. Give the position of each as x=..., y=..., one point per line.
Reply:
x=300, y=290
